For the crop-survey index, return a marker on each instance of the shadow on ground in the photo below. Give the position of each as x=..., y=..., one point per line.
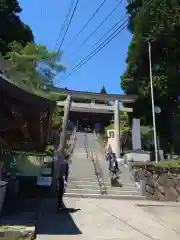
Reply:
x=41, y=213
x=116, y=183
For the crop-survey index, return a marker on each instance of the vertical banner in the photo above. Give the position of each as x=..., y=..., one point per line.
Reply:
x=97, y=127
x=136, y=134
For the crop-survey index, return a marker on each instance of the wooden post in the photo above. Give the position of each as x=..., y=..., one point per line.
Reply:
x=63, y=135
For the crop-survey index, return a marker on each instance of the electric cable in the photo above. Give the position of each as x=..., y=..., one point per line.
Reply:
x=114, y=26
x=69, y=23
x=99, y=48
x=95, y=30
x=86, y=24
x=74, y=10
x=64, y=23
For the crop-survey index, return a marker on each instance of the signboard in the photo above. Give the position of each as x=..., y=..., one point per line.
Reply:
x=44, y=181
x=136, y=134
x=97, y=126
x=111, y=133
x=47, y=159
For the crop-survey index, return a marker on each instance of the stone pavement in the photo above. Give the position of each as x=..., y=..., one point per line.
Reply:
x=95, y=219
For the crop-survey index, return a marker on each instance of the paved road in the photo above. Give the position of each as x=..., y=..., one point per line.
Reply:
x=98, y=219
x=95, y=219
x=92, y=219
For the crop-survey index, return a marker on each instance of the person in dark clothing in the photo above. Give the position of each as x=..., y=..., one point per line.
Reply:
x=62, y=184
x=60, y=191
x=66, y=172
x=115, y=162
x=113, y=169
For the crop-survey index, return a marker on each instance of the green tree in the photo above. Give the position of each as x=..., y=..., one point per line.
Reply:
x=103, y=90
x=11, y=27
x=157, y=21
x=35, y=62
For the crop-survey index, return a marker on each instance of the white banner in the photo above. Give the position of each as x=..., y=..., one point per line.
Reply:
x=136, y=134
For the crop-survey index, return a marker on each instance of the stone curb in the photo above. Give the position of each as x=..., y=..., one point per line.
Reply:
x=17, y=232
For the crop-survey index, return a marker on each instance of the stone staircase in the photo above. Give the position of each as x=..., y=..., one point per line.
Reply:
x=83, y=181
x=91, y=188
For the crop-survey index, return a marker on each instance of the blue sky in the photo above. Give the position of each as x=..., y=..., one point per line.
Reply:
x=106, y=67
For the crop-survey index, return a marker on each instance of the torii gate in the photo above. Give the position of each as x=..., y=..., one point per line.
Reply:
x=116, y=98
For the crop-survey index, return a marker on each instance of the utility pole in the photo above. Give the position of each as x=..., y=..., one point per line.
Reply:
x=63, y=134
x=117, y=128
x=152, y=101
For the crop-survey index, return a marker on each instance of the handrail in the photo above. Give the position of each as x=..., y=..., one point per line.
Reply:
x=102, y=185
x=97, y=167
x=73, y=137
x=72, y=142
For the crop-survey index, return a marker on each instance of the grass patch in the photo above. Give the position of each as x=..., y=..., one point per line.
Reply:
x=172, y=163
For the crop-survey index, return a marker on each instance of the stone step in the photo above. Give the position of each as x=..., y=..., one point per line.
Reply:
x=83, y=181
x=95, y=182
x=109, y=187
x=84, y=191
x=83, y=178
x=104, y=196
x=109, y=192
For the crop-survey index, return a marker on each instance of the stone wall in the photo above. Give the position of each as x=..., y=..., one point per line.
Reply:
x=159, y=183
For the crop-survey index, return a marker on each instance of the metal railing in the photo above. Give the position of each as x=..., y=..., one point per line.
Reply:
x=72, y=141
x=69, y=143
x=91, y=154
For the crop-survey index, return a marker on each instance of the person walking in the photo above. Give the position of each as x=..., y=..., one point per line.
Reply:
x=62, y=184
x=115, y=162
x=113, y=167
x=109, y=159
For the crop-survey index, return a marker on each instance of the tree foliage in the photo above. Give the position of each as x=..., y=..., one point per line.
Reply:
x=157, y=22
x=103, y=90
x=31, y=64
x=11, y=27
x=36, y=64
x=124, y=123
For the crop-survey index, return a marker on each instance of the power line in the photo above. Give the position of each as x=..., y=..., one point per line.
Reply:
x=72, y=15
x=99, y=48
x=102, y=45
x=115, y=25
x=95, y=51
x=112, y=28
x=94, y=14
x=65, y=22
x=95, y=30
x=63, y=27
